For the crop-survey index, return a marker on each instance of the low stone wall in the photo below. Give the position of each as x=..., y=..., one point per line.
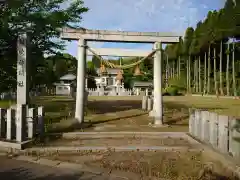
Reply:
x=220, y=131
x=100, y=92
x=214, y=96
x=20, y=124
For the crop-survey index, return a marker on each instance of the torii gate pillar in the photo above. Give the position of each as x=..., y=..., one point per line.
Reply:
x=81, y=69
x=157, y=111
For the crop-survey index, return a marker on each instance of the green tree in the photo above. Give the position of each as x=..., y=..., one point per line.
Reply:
x=186, y=45
x=42, y=20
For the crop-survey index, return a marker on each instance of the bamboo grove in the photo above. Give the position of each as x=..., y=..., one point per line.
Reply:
x=207, y=59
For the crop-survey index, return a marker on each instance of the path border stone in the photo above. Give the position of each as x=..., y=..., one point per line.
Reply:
x=14, y=145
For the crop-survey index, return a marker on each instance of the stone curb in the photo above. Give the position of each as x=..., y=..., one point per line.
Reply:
x=112, y=148
x=123, y=134
x=129, y=132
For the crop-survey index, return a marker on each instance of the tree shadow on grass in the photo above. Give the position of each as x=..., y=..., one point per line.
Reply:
x=102, y=107
x=56, y=134
x=180, y=106
x=174, y=121
x=24, y=174
x=59, y=109
x=75, y=126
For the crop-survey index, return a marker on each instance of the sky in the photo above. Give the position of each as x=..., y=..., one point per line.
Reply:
x=142, y=15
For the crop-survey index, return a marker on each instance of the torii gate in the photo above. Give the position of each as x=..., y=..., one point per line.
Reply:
x=84, y=35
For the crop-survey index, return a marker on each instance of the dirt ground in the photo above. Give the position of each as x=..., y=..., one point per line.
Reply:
x=167, y=165
x=109, y=114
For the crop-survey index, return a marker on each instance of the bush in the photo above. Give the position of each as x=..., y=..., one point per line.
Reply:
x=172, y=91
x=164, y=92
x=179, y=83
x=238, y=92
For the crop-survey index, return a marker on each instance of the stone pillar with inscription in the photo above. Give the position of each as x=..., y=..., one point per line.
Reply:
x=22, y=70
x=22, y=86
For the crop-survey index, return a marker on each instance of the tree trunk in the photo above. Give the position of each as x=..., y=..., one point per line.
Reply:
x=174, y=69
x=233, y=71
x=167, y=71
x=199, y=74
x=196, y=75
x=189, y=75
x=179, y=67
x=215, y=72
x=209, y=69
x=227, y=71
x=171, y=70
x=205, y=74
x=220, y=71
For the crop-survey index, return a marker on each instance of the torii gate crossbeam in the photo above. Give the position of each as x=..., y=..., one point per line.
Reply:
x=119, y=52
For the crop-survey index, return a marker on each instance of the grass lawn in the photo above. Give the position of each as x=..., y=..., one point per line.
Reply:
x=5, y=104
x=125, y=112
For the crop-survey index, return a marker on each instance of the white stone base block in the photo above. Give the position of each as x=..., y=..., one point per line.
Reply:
x=223, y=133
x=149, y=104
x=213, y=129
x=144, y=102
x=234, y=137
x=151, y=113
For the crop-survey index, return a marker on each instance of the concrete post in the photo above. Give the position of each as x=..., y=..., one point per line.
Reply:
x=137, y=93
x=21, y=123
x=79, y=111
x=41, y=122
x=223, y=128
x=31, y=122
x=191, y=121
x=149, y=103
x=213, y=129
x=144, y=102
x=146, y=92
x=158, y=105
x=2, y=123
x=10, y=123
x=205, y=126
x=234, y=135
x=197, y=125
x=86, y=83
